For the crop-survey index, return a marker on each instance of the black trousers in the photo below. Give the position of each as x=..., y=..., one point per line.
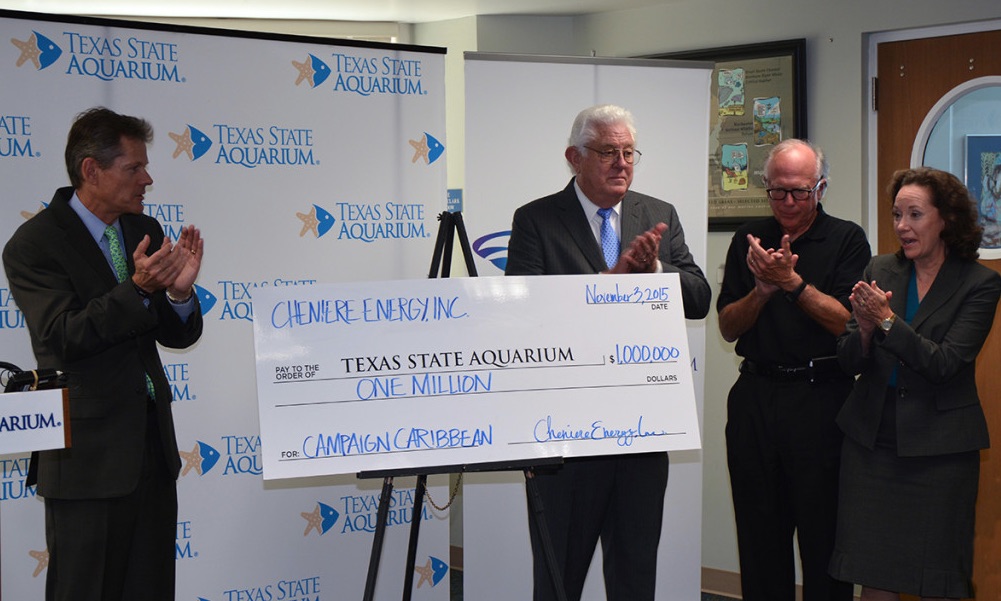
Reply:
x=617, y=499
x=783, y=452
x=117, y=549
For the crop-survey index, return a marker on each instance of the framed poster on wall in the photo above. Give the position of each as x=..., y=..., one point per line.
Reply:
x=758, y=99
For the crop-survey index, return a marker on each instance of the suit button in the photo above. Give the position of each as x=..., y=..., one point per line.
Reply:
x=901, y=392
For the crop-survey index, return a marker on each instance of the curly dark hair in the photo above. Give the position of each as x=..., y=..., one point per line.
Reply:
x=961, y=234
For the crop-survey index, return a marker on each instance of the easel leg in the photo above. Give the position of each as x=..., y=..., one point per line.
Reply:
x=380, y=533
x=536, y=509
x=415, y=529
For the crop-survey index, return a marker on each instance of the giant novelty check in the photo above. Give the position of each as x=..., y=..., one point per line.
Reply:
x=423, y=373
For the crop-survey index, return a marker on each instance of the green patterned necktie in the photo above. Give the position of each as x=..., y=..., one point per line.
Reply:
x=122, y=273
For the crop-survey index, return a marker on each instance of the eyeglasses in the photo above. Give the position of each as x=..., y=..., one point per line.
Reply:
x=797, y=193
x=629, y=155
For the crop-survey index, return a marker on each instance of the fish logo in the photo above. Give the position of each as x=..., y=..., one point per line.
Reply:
x=432, y=572
x=312, y=70
x=193, y=142
x=490, y=253
x=321, y=519
x=38, y=49
x=427, y=148
x=329, y=515
x=318, y=220
x=201, y=458
x=206, y=299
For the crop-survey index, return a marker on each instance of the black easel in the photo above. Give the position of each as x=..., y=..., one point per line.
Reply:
x=441, y=263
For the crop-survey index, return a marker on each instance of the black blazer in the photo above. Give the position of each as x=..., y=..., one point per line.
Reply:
x=551, y=236
x=938, y=409
x=102, y=336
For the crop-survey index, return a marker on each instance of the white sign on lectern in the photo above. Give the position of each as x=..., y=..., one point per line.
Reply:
x=34, y=421
x=418, y=373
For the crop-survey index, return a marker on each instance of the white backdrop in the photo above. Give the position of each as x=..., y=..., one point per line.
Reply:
x=519, y=110
x=302, y=160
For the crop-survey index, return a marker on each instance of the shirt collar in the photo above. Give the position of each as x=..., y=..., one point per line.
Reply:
x=590, y=209
x=92, y=222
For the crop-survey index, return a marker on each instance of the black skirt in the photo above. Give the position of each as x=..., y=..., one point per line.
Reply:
x=905, y=524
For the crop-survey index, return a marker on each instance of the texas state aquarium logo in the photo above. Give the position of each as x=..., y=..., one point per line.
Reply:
x=241, y=456
x=13, y=471
x=366, y=222
x=427, y=148
x=102, y=57
x=363, y=75
x=179, y=378
x=15, y=137
x=312, y=71
x=359, y=513
x=200, y=459
x=182, y=541
x=493, y=248
x=247, y=146
x=321, y=519
x=11, y=317
x=38, y=50
x=237, y=296
x=284, y=589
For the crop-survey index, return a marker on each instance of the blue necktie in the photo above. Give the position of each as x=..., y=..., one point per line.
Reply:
x=122, y=273
x=609, y=241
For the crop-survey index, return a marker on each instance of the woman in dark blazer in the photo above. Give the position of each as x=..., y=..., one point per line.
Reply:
x=913, y=423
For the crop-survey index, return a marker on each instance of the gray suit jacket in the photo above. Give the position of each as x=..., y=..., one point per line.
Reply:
x=102, y=336
x=551, y=236
x=938, y=409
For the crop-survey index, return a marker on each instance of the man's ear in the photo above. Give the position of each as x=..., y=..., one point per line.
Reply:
x=573, y=157
x=89, y=170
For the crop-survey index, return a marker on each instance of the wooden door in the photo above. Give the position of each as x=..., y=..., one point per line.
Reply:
x=912, y=76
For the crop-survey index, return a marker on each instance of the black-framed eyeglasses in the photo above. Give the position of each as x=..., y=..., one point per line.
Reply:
x=797, y=193
x=629, y=155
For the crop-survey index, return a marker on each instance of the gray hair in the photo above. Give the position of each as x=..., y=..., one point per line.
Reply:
x=822, y=168
x=588, y=121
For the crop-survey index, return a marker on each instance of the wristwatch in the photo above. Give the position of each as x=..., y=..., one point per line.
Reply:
x=793, y=295
x=887, y=323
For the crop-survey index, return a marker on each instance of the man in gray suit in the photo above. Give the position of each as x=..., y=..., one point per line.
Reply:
x=100, y=286
x=619, y=499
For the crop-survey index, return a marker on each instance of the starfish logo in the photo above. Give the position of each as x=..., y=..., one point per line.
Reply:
x=39, y=50
x=313, y=71
x=28, y=214
x=318, y=220
x=432, y=572
x=321, y=519
x=192, y=142
x=201, y=459
x=487, y=248
x=427, y=148
x=42, y=557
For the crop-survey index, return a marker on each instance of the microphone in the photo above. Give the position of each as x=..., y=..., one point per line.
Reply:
x=35, y=379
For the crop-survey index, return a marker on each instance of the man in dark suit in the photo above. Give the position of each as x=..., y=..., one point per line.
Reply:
x=619, y=499
x=100, y=286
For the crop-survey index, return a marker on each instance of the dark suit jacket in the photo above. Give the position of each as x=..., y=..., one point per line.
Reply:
x=102, y=336
x=551, y=236
x=938, y=409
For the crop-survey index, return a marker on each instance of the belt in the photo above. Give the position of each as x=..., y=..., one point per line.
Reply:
x=820, y=368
